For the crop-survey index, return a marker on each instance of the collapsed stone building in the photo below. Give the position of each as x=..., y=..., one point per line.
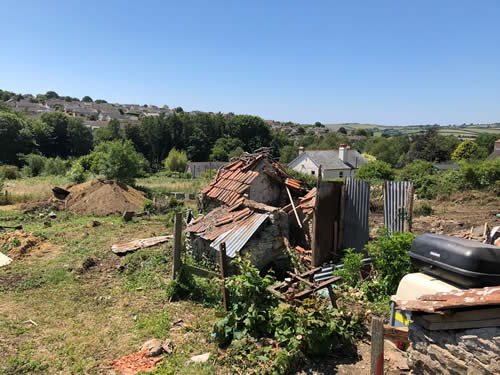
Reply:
x=249, y=205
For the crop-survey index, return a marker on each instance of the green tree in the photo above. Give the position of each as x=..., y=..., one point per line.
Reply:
x=465, y=151
x=176, y=161
x=117, y=160
x=100, y=101
x=15, y=137
x=376, y=172
x=87, y=99
x=111, y=132
x=487, y=141
x=223, y=147
x=342, y=130
x=57, y=144
x=287, y=154
x=79, y=136
x=51, y=95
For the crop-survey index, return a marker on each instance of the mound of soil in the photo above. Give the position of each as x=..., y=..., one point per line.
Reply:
x=99, y=198
x=19, y=244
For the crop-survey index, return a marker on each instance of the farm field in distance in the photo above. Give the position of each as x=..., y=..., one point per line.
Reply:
x=470, y=131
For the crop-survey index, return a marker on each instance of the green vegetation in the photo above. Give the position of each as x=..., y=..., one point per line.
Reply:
x=376, y=172
x=311, y=329
x=176, y=161
x=391, y=262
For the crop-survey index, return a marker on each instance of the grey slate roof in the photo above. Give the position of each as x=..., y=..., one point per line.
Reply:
x=329, y=159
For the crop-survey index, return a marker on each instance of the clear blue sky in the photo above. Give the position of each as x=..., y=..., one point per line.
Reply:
x=385, y=62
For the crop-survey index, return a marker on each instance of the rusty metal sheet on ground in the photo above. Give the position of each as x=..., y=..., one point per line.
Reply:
x=453, y=300
x=126, y=247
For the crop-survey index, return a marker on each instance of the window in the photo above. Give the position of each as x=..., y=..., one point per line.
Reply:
x=341, y=174
x=313, y=173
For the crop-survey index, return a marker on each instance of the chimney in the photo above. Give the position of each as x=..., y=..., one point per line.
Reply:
x=342, y=152
x=301, y=149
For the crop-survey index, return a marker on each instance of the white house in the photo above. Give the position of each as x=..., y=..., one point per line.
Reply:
x=339, y=163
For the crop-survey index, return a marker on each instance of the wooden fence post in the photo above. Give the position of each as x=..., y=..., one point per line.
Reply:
x=223, y=271
x=409, y=209
x=377, y=347
x=176, y=264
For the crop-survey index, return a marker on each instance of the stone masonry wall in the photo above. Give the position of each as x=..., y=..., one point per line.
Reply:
x=466, y=351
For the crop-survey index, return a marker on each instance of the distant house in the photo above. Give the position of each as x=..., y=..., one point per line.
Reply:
x=496, y=151
x=334, y=163
x=197, y=168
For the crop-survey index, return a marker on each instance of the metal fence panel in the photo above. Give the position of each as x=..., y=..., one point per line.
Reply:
x=357, y=206
x=397, y=195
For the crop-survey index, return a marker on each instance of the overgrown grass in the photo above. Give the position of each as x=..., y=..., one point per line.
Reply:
x=162, y=184
x=22, y=190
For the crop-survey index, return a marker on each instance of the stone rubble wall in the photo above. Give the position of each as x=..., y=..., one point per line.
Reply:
x=455, y=352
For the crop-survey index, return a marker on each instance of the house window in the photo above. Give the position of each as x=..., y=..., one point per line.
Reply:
x=341, y=174
x=313, y=173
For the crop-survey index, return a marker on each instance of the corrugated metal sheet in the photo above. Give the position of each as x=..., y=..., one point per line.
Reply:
x=240, y=234
x=357, y=205
x=395, y=204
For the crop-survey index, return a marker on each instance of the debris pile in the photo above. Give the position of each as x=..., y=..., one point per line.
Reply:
x=97, y=197
x=19, y=244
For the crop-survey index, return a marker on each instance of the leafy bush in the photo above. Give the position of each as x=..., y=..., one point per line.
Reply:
x=77, y=172
x=465, y=150
x=117, y=160
x=251, y=305
x=176, y=161
x=392, y=262
x=376, y=172
x=34, y=165
x=9, y=172
x=55, y=167
x=416, y=170
x=353, y=263
x=423, y=208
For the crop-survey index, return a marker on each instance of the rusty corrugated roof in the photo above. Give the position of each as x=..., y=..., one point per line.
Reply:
x=237, y=236
x=234, y=180
x=437, y=303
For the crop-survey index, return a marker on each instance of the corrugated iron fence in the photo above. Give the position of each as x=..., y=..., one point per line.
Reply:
x=357, y=205
x=398, y=206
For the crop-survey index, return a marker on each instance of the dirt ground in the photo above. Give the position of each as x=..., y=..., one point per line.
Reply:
x=457, y=214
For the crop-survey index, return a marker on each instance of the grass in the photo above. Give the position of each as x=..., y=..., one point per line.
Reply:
x=25, y=189
x=163, y=184
x=87, y=318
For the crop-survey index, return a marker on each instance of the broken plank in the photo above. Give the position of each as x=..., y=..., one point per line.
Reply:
x=293, y=206
x=397, y=334
x=134, y=245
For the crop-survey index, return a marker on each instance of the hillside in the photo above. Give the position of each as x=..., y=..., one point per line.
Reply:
x=464, y=131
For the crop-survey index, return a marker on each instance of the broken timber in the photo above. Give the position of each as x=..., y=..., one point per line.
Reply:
x=288, y=289
x=126, y=247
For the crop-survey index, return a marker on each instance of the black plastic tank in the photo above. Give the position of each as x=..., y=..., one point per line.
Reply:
x=467, y=263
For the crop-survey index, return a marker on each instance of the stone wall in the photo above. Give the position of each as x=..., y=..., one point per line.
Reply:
x=465, y=351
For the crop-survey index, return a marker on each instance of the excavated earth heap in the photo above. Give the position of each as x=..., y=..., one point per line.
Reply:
x=97, y=197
